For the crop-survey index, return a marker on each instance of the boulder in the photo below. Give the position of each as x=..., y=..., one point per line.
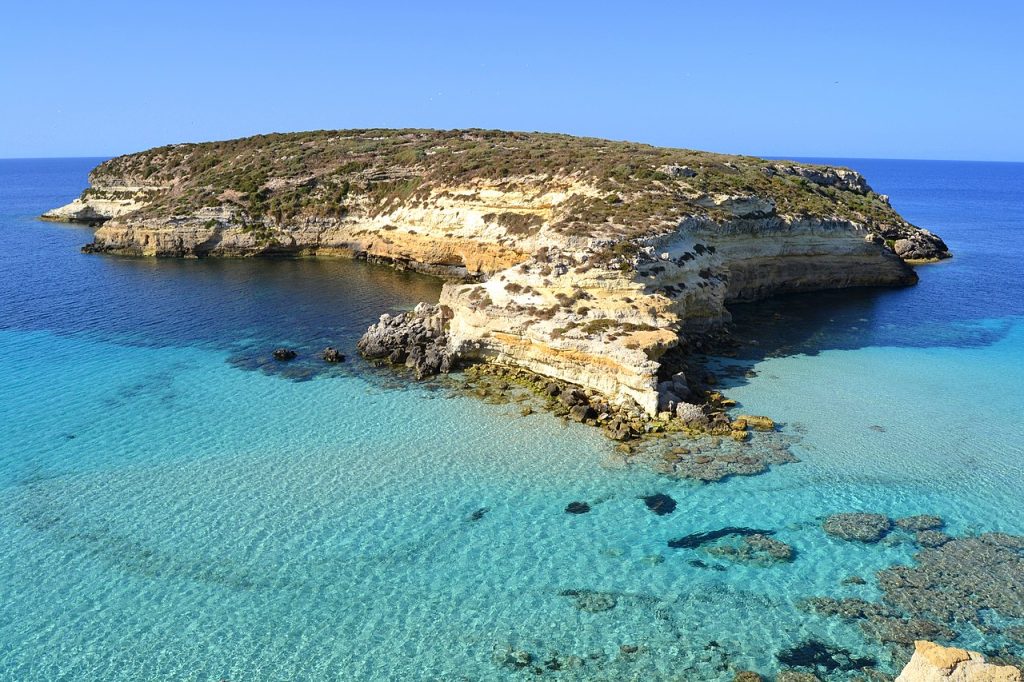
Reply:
x=691, y=415
x=332, y=355
x=619, y=429
x=284, y=354
x=416, y=339
x=581, y=413
x=757, y=422
x=934, y=663
x=921, y=245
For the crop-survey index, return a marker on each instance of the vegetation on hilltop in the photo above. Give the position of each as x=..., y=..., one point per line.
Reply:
x=638, y=189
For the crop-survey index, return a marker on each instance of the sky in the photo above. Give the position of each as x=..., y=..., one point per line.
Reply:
x=923, y=80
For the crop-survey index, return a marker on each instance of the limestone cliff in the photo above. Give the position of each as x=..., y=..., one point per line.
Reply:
x=580, y=259
x=935, y=663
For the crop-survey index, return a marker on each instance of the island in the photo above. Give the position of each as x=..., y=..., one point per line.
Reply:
x=590, y=263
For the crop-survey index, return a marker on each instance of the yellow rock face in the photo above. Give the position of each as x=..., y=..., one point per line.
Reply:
x=935, y=663
x=757, y=422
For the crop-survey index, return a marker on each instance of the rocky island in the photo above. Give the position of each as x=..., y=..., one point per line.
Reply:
x=581, y=260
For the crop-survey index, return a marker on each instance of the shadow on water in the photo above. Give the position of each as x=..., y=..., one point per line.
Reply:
x=849, y=319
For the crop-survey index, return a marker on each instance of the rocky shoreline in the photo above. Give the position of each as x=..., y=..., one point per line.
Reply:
x=585, y=261
x=708, y=443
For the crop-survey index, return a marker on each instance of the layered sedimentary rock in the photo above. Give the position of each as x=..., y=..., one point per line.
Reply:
x=580, y=259
x=935, y=663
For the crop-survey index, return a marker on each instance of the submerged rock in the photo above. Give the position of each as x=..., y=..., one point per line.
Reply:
x=660, y=503
x=577, y=508
x=695, y=540
x=478, y=514
x=757, y=549
x=509, y=657
x=931, y=538
x=747, y=676
x=859, y=527
x=822, y=657
x=960, y=585
x=591, y=601
x=920, y=522
x=960, y=580
x=796, y=676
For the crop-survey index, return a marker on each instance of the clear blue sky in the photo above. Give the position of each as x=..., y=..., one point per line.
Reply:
x=942, y=80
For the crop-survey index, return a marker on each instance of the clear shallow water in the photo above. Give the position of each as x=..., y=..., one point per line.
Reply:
x=174, y=506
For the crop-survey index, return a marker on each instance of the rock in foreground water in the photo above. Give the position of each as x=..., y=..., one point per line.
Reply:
x=934, y=663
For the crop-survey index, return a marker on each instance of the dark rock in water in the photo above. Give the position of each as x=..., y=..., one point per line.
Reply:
x=931, y=538
x=577, y=508
x=920, y=246
x=591, y=601
x=660, y=503
x=747, y=676
x=697, y=539
x=515, y=659
x=757, y=549
x=857, y=526
x=697, y=563
x=960, y=581
x=619, y=429
x=879, y=621
x=854, y=580
x=822, y=657
x=332, y=355
x=418, y=339
x=284, y=354
x=478, y=514
x=920, y=522
x=573, y=397
x=581, y=413
x=906, y=632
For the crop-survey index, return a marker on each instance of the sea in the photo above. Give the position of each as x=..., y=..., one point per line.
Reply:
x=176, y=505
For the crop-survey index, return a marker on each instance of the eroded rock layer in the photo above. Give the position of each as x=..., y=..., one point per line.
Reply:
x=579, y=259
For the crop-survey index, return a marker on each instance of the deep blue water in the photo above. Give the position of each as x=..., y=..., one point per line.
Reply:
x=175, y=506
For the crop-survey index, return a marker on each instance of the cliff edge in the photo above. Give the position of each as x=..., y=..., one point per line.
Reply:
x=580, y=259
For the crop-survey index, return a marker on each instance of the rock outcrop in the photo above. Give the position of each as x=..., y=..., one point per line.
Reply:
x=579, y=259
x=934, y=663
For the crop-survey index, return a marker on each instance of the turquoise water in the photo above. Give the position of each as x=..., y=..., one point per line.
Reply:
x=176, y=506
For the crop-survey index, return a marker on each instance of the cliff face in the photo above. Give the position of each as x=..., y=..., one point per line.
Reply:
x=577, y=258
